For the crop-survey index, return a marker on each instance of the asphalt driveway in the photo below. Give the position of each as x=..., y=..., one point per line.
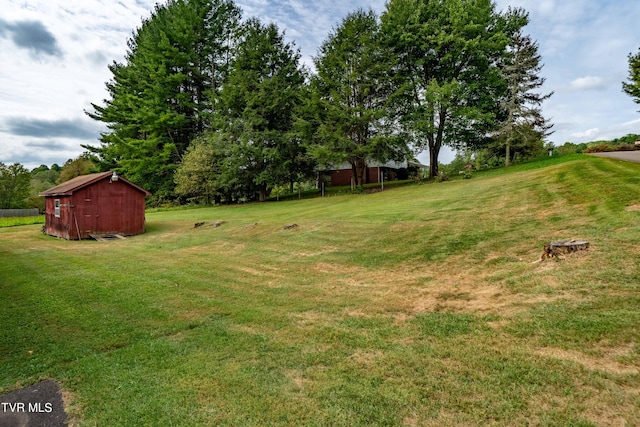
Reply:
x=629, y=156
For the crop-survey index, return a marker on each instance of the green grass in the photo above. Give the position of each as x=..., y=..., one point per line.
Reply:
x=25, y=220
x=420, y=305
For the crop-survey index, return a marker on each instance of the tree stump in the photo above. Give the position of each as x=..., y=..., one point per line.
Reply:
x=290, y=226
x=218, y=224
x=555, y=249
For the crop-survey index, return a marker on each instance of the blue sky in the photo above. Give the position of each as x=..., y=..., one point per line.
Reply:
x=55, y=55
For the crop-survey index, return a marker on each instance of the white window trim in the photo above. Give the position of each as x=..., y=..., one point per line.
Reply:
x=56, y=208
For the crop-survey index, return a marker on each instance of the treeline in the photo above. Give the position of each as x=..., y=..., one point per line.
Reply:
x=624, y=143
x=19, y=187
x=210, y=106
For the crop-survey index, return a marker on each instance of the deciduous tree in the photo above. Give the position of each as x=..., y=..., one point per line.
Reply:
x=81, y=165
x=448, y=79
x=14, y=186
x=200, y=175
x=632, y=87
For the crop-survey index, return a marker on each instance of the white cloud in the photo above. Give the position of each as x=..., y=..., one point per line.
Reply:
x=587, y=83
x=584, y=45
x=590, y=133
x=635, y=123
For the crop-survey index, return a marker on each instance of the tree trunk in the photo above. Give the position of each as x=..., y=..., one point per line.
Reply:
x=433, y=161
x=435, y=143
x=359, y=169
x=264, y=192
x=434, y=151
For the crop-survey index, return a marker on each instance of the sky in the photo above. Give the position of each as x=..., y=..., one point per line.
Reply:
x=55, y=53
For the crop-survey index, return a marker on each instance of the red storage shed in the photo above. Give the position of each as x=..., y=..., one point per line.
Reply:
x=99, y=203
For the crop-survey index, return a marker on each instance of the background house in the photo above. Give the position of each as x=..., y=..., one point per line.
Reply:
x=376, y=172
x=99, y=203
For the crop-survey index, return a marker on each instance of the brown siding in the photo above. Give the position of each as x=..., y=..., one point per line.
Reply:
x=372, y=174
x=341, y=177
x=103, y=207
x=109, y=207
x=59, y=227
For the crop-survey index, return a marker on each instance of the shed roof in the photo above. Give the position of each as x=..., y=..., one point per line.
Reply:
x=67, y=188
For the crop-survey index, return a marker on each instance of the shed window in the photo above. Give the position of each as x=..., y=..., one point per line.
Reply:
x=56, y=208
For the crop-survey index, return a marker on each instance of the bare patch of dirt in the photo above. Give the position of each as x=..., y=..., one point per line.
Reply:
x=633, y=208
x=498, y=324
x=466, y=299
x=414, y=288
x=400, y=318
x=311, y=318
x=359, y=313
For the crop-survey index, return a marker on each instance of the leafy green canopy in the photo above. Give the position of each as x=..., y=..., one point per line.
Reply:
x=447, y=74
x=14, y=186
x=632, y=88
x=162, y=96
x=259, y=100
x=351, y=90
x=254, y=146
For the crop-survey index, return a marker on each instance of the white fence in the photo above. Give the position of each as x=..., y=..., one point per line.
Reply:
x=6, y=213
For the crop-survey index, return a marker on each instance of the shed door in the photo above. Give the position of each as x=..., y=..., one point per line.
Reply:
x=90, y=212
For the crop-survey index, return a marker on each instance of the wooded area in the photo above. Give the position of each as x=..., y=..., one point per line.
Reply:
x=210, y=106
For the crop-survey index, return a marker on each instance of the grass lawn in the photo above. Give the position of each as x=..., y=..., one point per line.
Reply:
x=21, y=220
x=420, y=305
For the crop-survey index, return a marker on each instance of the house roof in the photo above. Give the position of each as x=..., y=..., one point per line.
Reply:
x=67, y=188
x=372, y=164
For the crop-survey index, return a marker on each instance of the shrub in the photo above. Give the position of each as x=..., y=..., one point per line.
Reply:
x=626, y=147
x=581, y=147
x=599, y=148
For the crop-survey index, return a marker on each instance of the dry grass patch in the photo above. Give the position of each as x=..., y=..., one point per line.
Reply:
x=607, y=362
x=298, y=380
x=72, y=408
x=366, y=358
x=413, y=288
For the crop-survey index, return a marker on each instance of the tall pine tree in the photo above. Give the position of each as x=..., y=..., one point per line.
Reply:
x=258, y=103
x=523, y=117
x=352, y=87
x=162, y=96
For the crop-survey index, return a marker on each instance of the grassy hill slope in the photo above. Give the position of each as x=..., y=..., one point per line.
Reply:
x=422, y=305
